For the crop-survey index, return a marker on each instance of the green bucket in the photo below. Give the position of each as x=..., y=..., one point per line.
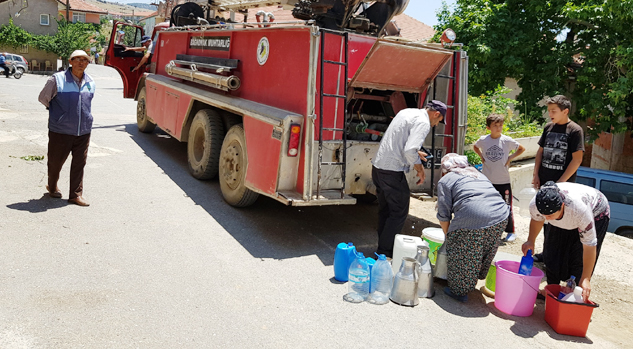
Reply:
x=491, y=278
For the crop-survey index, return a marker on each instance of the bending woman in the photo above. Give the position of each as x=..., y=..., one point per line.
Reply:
x=473, y=216
x=570, y=206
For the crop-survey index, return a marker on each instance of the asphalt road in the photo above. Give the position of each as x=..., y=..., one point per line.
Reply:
x=160, y=261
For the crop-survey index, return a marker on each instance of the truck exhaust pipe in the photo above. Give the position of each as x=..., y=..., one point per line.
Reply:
x=221, y=82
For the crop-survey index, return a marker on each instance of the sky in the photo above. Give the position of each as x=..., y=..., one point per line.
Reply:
x=422, y=10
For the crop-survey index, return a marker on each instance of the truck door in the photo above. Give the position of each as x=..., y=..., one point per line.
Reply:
x=125, y=35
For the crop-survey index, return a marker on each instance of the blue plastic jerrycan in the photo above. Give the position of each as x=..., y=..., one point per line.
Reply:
x=343, y=257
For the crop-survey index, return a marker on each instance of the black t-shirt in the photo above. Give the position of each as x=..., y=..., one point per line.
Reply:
x=559, y=142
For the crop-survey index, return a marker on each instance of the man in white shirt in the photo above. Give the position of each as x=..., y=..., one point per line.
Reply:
x=399, y=151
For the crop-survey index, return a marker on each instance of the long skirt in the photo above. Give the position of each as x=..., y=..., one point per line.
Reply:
x=470, y=252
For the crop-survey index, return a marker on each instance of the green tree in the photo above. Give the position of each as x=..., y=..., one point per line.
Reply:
x=69, y=37
x=581, y=48
x=14, y=36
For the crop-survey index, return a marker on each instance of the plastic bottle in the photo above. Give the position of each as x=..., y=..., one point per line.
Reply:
x=570, y=286
x=343, y=257
x=358, y=284
x=527, y=262
x=575, y=296
x=381, y=281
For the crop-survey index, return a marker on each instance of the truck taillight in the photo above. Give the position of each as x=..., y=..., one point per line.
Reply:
x=293, y=142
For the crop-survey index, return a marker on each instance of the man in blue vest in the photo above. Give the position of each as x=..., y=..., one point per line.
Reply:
x=67, y=95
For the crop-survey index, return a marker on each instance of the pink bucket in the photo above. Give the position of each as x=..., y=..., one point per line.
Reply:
x=515, y=294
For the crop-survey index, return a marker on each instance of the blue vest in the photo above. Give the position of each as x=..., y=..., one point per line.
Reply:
x=69, y=112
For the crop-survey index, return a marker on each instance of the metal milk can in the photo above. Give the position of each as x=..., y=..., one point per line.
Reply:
x=405, y=284
x=425, y=282
x=441, y=264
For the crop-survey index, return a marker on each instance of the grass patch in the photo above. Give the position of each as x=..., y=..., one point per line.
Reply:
x=32, y=157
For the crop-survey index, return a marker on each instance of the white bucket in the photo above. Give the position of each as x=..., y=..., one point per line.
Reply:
x=435, y=237
x=404, y=246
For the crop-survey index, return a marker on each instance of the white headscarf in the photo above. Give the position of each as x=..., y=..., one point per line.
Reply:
x=452, y=162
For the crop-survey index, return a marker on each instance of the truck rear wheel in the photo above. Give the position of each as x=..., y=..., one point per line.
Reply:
x=142, y=121
x=233, y=164
x=230, y=119
x=203, y=147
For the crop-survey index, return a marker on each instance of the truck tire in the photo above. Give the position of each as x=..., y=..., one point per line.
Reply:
x=142, y=121
x=203, y=146
x=233, y=164
x=230, y=120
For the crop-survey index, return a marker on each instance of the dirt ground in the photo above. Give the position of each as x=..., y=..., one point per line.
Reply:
x=612, y=282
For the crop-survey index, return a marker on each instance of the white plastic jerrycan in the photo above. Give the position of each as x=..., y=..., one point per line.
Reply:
x=405, y=246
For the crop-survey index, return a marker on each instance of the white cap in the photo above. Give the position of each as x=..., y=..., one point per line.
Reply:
x=79, y=53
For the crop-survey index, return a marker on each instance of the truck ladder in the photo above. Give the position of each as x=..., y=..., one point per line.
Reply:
x=452, y=80
x=322, y=96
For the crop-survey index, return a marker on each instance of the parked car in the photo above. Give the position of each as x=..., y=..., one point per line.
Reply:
x=618, y=188
x=19, y=62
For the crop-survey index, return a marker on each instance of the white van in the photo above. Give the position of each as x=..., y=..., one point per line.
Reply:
x=618, y=188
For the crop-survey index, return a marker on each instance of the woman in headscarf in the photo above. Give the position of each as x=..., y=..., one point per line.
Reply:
x=473, y=216
x=582, y=209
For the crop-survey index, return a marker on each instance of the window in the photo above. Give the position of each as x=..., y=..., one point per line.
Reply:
x=45, y=19
x=24, y=49
x=586, y=181
x=79, y=17
x=617, y=192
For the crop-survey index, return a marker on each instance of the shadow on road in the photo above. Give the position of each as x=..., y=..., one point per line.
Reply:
x=269, y=229
x=42, y=204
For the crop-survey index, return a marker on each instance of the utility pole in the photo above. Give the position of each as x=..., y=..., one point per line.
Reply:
x=67, y=10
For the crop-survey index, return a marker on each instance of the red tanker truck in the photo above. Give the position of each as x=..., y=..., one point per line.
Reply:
x=290, y=110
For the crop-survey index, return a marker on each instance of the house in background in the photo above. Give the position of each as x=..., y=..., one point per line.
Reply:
x=80, y=11
x=36, y=17
x=149, y=22
x=39, y=18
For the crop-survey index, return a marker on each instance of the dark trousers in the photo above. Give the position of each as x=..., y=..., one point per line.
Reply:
x=562, y=252
x=392, y=191
x=506, y=193
x=6, y=69
x=59, y=147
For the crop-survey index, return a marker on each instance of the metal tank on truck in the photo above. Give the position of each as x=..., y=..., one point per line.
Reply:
x=292, y=110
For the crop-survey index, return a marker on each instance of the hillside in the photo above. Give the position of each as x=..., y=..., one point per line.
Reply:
x=144, y=6
x=116, y=7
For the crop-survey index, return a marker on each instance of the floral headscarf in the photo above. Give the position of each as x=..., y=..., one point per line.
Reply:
x=452, y=162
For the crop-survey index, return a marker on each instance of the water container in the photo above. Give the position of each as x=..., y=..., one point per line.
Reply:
x=435, y=238
x=405, y=284
x=343, y=257
x=425, y=277
x=524, y=197
x=370, y=262
x=404, y=246
x=441, y=264
x=516, y=294
x=358, y=284
x=569, y=287
x=527, y=262
x=575, y=297
x=381, y=281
